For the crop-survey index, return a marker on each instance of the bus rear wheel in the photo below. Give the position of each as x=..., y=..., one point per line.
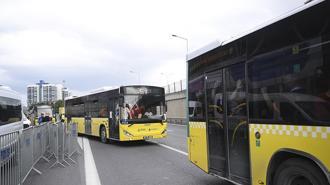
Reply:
x=103, y=134
x=297, y=171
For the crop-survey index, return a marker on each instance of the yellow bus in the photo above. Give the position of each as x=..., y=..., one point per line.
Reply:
x=127, y=113
x=264, y=101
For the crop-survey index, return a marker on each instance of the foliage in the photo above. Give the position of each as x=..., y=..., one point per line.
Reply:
x=57, y=105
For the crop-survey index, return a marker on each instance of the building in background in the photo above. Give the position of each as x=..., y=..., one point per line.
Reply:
x=32, y=94
x=47, y=93
x=65, y=93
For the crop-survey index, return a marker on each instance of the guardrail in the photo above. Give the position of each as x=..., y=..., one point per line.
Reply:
x=20, y=151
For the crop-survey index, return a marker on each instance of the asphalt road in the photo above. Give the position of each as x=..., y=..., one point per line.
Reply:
x=176, y=137
x=147, y=163
x=132, y=163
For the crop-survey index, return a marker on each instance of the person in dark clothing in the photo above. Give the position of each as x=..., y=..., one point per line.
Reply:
x=47, y=118
x=41, y=118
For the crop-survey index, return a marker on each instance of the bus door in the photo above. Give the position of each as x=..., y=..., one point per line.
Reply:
x=227, y=123
x=88, y=125
x=114, y=119
x=236, y=123
x=215, y=121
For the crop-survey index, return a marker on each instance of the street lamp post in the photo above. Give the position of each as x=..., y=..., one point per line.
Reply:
x=138, y=75
x=187, y=104
x=183, y=38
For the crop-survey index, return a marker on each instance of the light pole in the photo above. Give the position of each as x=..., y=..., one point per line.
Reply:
x=187, y=104
x=183, y=38
x=131, y=71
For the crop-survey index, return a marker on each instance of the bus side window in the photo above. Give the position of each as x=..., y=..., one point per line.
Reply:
x=260, y=110
x=289, y=113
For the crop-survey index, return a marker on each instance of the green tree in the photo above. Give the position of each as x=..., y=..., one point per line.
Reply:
x=57, y=105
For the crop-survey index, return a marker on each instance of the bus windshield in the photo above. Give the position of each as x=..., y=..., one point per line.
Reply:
x=10, y=110
x=143, y=108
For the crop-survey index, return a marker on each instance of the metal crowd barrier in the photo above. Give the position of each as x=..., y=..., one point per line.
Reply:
x=9, y=159
x=71, y=144
x=58, y=133
x=27, y=152
x=20, y=151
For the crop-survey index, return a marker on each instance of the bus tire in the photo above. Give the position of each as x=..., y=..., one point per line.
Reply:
x=297, y=171
x=103, y=134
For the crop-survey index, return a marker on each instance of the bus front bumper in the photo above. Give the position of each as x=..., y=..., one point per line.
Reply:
x=127, y=137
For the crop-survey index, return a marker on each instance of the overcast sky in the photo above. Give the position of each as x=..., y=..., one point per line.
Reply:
x=95, y=43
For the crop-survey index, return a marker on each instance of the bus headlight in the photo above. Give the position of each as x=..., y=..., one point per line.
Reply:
x=127, y=133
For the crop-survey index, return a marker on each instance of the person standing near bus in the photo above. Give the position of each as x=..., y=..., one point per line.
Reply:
x=127, y=112
x=41, y=118
x=47, y=117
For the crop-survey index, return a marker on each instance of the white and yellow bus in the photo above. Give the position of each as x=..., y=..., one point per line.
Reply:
x=127, y=113
x=265, y=103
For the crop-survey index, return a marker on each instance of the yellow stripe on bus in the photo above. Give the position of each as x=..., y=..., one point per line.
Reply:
x=312, y=140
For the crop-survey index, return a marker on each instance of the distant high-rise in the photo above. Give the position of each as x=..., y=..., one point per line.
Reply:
x=33, y=94
x=43, y=92
x=66, y=92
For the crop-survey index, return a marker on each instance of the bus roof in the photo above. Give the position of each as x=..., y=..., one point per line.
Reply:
x=100, y=90
x=95, y=91
x=6, y=91
x=216, y=44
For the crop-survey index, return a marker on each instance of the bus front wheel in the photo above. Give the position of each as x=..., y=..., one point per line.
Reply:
x=296, y=171
x=103, y=134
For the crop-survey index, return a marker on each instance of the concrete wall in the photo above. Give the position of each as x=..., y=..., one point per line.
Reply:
x=176, y=107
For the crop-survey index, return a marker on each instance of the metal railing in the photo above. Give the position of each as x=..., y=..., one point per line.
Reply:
x=20, y=151
x=175, y=87
x=9, y=159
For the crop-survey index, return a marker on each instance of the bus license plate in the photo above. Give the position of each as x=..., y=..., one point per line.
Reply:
x=147, y=137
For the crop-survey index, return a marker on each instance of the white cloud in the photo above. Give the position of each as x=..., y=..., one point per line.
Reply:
x=5, y=77
x=96, y=43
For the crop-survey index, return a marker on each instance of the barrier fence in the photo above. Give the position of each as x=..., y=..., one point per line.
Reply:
x=20, y=151
x=9, y=159
x=175, y=87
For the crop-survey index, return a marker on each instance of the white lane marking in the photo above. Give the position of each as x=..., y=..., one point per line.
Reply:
x=91, y=175
x=169, y=130
x=171, y=148
x=79, y=139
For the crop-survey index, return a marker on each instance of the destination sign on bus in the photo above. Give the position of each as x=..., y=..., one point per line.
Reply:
x=142, y=90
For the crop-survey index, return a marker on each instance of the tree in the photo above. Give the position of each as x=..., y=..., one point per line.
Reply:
x=57, y=105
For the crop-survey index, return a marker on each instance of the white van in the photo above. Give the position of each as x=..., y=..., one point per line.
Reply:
x=10, y=110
